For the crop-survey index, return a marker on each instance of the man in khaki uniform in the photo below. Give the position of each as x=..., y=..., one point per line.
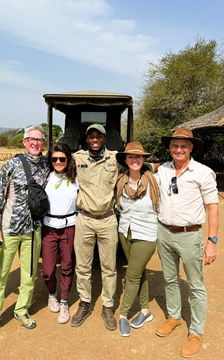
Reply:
x=97, y=172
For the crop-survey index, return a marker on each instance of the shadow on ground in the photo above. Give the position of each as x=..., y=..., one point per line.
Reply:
x=155, y=279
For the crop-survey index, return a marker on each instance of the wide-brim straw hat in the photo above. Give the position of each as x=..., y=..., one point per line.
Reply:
x=182, y=133
x=132, y=148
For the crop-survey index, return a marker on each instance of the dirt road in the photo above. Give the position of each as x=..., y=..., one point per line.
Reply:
x=52, y=341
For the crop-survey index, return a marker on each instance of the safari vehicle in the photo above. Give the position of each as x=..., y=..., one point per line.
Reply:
x=82, y=108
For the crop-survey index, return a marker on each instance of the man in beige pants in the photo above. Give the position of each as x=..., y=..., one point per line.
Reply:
x=97, y=172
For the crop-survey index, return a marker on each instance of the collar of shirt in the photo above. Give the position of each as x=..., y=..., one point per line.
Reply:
x=98, y=156
x=190, y=165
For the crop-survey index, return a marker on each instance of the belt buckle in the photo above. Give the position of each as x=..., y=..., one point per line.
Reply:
x=185, y=228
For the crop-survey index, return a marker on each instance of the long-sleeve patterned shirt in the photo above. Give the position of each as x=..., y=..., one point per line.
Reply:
x=14, y=210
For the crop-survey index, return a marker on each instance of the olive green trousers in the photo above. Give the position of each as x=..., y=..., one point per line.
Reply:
x=22, y=243
x=138, y=253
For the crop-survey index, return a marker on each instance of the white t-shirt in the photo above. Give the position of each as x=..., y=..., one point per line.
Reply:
x=62, y=200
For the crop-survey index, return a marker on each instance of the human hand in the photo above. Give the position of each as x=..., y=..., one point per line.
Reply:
x=210, y=253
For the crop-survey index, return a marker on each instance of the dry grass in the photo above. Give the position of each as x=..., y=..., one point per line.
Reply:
x=6, y=153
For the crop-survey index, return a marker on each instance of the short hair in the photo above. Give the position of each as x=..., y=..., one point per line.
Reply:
x=31, y=128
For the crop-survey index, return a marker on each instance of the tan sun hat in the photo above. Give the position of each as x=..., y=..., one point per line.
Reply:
x=181, y=133
x=133, y=148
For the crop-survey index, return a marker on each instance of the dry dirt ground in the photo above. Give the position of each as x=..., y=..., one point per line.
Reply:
x=52, y=341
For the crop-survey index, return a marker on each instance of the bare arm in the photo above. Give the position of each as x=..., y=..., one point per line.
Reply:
x=213, y=223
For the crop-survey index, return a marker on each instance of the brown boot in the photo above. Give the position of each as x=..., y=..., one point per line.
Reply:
x=109, y=319
x=191, y=346
x=168, y=326
x=81, y=314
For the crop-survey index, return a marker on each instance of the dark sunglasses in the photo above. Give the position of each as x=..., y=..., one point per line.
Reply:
x=61, y=159
x=173, y=186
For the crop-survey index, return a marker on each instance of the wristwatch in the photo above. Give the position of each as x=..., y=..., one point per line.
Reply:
x=213, y=239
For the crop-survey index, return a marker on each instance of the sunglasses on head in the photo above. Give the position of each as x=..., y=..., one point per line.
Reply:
x=61, y=159
x=173, y=186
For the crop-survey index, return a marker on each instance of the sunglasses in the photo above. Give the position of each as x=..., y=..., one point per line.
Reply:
x=173, y=186
x=61, y=159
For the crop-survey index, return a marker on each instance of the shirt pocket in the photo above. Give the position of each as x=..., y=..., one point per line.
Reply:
x=84, y=176
x=111, y=173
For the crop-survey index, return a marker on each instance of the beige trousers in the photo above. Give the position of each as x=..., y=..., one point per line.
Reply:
x=104, y=231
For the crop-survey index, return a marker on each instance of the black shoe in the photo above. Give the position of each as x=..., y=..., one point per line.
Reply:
x=82, y=313
x=109, y=319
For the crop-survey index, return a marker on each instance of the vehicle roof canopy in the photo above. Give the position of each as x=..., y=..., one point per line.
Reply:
x=89, y=98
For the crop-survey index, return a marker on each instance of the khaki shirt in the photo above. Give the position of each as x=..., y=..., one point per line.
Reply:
x=97, y=180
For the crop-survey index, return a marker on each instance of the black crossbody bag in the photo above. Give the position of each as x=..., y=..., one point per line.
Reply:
x=37, y=199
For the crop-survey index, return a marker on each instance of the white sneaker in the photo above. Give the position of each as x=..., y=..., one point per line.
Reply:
x=64, y=315
x=53, y=304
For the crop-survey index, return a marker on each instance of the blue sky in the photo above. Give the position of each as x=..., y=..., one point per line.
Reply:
x=51, y=46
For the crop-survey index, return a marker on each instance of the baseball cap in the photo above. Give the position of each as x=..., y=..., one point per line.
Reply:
x=97, y=127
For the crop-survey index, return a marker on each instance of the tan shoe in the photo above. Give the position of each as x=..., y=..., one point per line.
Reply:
x=191, y=346
x=168, y=326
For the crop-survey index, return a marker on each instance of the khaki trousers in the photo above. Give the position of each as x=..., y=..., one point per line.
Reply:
x=104, y=231
x=22, y=243
x=189, y=247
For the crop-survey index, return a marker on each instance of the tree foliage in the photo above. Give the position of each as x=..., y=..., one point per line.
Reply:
x=13, y=137
x=181, y=87
x=16, y=141
x=56, y=131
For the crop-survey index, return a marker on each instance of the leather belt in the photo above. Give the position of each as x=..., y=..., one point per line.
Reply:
x=61, y=216
x=99, y=217
x=175, y=229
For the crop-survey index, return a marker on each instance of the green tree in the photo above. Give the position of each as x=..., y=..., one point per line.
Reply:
x=9, y=135
x=56, y=131
x=16, y=141
x=4, y=139
x=181, y=87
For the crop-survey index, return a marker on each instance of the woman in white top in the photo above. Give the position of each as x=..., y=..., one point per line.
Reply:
x=59, y=229
x=137, y=202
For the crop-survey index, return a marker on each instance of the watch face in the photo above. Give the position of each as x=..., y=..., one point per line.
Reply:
x=213, y=239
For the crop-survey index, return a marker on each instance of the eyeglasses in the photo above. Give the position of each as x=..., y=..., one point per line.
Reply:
x=173, y=186
x=32, y=139
x=61, y=159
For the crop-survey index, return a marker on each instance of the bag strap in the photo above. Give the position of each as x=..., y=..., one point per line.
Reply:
x=32, y=255
x=26, y=167
x=29, y=178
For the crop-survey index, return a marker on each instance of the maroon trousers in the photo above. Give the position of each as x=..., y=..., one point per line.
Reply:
x=58, y=243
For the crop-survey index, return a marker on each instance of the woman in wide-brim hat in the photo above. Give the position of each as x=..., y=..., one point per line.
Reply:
x=138, y=202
